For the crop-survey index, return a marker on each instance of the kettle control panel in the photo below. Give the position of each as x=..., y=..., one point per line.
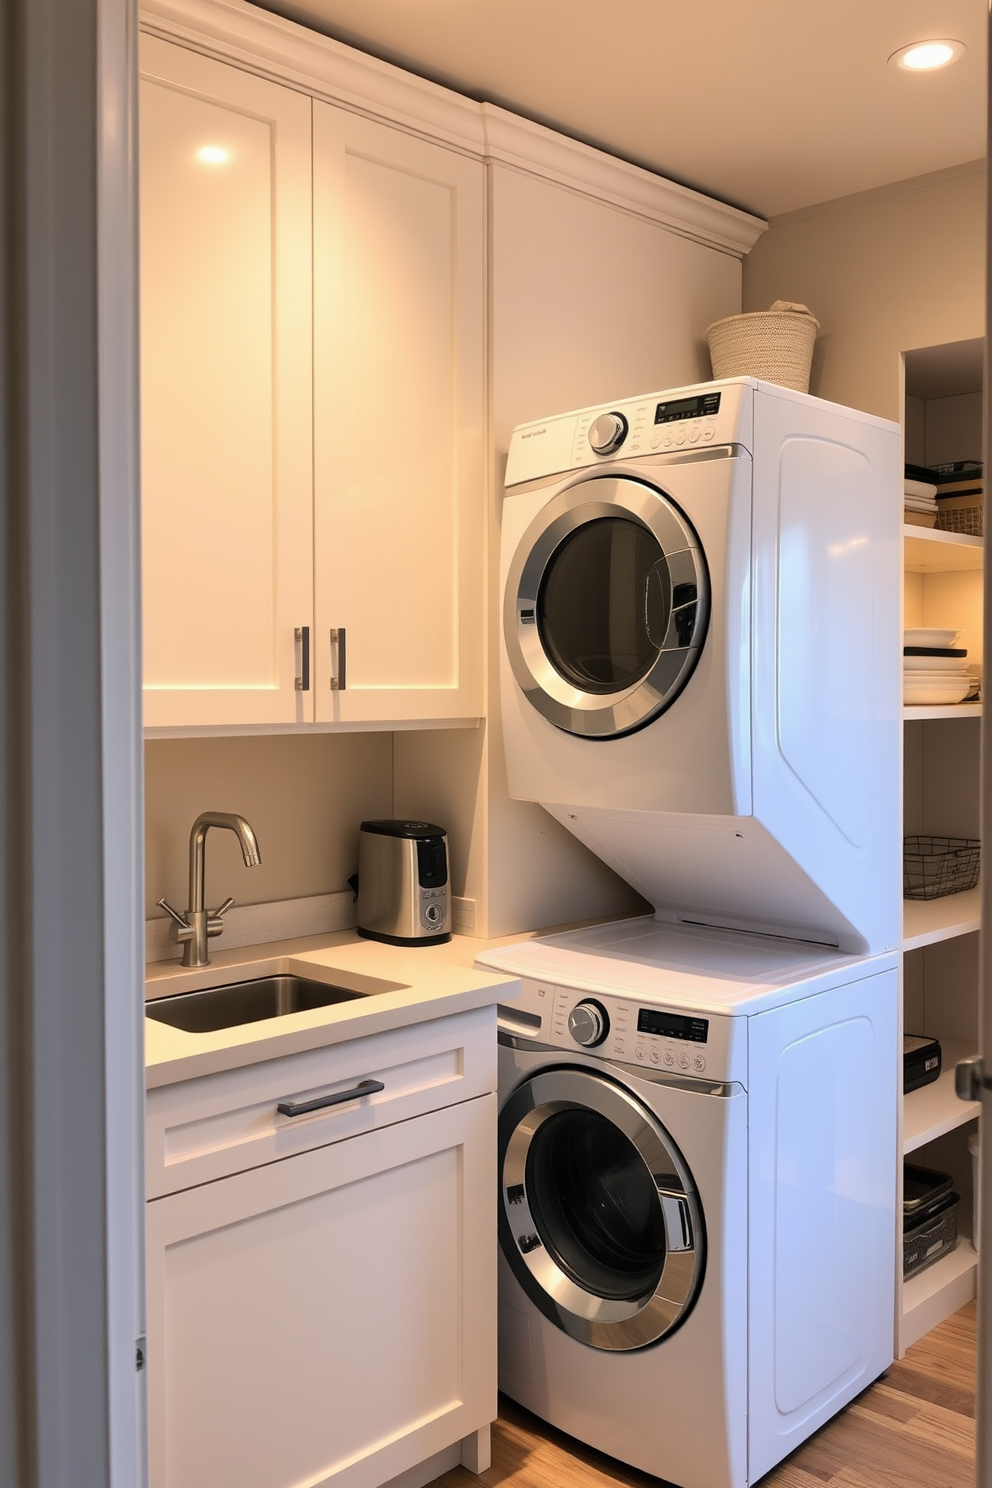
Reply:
x=434, y=909
x=670, y=1040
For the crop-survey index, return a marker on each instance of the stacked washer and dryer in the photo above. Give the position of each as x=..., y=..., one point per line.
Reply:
x=700, y=680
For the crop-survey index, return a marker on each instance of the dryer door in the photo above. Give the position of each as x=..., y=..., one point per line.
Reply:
x=600, y=1218
x=606, y=606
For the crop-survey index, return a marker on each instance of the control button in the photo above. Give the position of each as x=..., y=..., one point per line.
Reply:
x=698, y=1062
x=707, y=433
x=588, y=1024
x=639, y=1052
x=434, y=913
x=669, y=1057
x=607, y=433
x=668, y=441
x=693, y=436
x=656, y=441
x=683, y=1061
x=680, y=437
x=655, y=1056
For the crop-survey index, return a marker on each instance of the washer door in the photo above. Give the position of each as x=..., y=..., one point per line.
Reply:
x=606, y=606
x=599, y=1216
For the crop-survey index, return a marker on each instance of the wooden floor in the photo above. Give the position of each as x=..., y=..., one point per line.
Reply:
x=913, y=1428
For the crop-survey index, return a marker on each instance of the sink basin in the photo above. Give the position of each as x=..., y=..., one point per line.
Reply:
x=245, y=1002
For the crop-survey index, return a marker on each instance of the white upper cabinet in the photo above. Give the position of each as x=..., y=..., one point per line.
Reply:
x=226, y=321
x=399, y=358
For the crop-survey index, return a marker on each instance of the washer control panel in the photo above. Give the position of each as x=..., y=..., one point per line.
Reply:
x=670, y=1039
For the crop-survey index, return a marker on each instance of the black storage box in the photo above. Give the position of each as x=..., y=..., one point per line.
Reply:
x=930, y=1218
x=920, y=1062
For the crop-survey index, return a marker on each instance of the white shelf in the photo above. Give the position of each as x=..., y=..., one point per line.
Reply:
x=925, y=550
x=930, y=1297
x=942, y=710
x=933, y=1110
x=925, y=921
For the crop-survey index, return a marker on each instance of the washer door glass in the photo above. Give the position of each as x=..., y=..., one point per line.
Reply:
x=596, y=1205
x=599, y=1220
x=606, y=606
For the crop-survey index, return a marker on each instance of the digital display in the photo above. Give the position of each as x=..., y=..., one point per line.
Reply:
x=704, y=406
x=673, y=1025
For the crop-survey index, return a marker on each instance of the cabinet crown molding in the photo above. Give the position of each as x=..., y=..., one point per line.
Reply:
x=237, y=32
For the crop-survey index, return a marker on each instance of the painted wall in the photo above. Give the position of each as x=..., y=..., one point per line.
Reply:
x=883, y=272
x=304, y=796
x=587, y=303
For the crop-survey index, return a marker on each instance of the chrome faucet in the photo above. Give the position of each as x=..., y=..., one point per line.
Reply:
x=192, y=929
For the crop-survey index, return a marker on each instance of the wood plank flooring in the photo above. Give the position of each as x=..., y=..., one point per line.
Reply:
x=913, y=1428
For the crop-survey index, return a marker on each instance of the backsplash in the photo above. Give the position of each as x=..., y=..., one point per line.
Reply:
x=284, y=919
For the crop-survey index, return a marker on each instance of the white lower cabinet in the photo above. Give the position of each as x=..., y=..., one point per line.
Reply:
x=327, y=1318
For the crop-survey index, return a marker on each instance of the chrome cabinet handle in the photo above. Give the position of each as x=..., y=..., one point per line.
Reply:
x=300, y=1108
x=303, y=678
x=339, y=655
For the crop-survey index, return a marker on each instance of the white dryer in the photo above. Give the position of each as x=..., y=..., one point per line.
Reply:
x=700, y=661
x=697, y=1191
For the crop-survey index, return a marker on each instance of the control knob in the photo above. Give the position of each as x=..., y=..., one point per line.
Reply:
x=588, y=1024
x=607, y=433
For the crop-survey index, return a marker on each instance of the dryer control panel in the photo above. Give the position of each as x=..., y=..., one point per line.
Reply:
x=671, y=1039
x=675, y=422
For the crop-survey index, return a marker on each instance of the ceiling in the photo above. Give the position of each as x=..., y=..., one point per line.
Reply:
x=769, y=104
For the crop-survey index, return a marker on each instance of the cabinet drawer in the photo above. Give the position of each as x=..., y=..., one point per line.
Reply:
x=206, y=1128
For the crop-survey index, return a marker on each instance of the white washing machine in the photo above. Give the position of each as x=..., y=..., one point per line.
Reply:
x=698, y=1176
x=700, y=662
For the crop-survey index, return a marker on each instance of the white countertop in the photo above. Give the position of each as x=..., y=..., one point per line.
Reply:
x=407, y=985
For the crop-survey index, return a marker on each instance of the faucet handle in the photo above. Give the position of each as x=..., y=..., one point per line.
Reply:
x=181, y=929
x=215, y=917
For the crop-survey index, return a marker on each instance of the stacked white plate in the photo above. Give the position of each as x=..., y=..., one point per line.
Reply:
x=934, y=670
x=920, y=498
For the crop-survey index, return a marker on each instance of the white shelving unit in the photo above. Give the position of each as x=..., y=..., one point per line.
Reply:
x=925, y=550
x=935, y=1110
x=938, y=1291
x=943, y=588
x=948, y=710
x=927, y=921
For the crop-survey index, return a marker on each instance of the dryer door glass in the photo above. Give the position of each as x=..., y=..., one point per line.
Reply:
x=600, y=1219
x=604, y=604
x=596, y=1204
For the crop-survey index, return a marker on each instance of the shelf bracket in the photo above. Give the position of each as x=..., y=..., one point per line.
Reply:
x=970, y=1079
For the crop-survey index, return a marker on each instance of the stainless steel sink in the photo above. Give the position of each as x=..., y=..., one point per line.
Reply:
x=245, y=1002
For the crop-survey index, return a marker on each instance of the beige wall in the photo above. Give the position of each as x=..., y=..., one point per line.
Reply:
x=883, y=272
x=304, y=795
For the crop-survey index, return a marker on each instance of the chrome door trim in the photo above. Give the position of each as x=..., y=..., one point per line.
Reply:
x=604, y=1323
x=599, y=715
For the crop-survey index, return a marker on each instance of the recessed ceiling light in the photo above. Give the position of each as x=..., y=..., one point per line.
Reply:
x=924, y=56
x=213, y=155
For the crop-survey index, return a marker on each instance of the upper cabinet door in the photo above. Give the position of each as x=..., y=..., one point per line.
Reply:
x=399, y=356
x=226, y=391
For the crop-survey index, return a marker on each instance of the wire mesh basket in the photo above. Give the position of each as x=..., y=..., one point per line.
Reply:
x=935, y=866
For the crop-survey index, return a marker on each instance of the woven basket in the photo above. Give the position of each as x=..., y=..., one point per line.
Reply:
x=774, y=345
x=967, y=519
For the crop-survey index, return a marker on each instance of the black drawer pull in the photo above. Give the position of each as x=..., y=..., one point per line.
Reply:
x=300, y=1108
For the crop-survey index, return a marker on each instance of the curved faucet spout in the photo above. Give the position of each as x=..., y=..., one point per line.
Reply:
x=250, y=850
